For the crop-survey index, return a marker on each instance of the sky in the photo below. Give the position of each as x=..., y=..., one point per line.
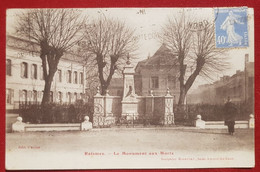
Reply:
x=147, y=23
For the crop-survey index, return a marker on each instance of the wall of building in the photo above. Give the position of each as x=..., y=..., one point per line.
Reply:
x=167, y=78
x=18, y=86
x=239, y=87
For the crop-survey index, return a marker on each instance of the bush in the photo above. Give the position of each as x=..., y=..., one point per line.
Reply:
x=56, y=113
x=188, y=113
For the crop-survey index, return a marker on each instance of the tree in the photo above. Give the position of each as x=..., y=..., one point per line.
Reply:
x=195, y=49
x=56, y=31
x=109, y=42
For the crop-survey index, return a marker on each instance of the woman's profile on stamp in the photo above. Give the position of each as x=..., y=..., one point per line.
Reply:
x=229, y=26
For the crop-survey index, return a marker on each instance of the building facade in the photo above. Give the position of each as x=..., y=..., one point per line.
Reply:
x=157, y=73
x=239, y=87
x=24, y=75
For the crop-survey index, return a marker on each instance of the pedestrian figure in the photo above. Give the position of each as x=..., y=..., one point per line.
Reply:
x=230, y=114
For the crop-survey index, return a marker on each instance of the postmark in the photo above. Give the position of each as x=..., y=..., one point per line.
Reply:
x=231, y=27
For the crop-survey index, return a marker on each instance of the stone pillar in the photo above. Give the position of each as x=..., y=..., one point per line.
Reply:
x=199, y=123
x=86, y=125
x=129, y=101
x=18, y=126
x=149, y=104
x=168, y=108
x=251, y=122
x=99, y=109
x=109, y=118
x=108, y=104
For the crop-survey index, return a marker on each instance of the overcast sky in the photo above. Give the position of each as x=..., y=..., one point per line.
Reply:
x=148, y=23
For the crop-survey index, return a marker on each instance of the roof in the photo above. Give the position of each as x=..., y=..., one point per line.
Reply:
x=163, y=56
x=22, y=44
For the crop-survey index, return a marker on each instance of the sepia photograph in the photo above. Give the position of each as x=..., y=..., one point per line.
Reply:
x=130, y=88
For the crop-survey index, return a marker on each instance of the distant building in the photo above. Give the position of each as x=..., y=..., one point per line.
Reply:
x=239, y=87
x=158, y=73
x=24, y=76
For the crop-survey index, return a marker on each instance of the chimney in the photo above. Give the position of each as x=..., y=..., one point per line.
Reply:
x=246, y=58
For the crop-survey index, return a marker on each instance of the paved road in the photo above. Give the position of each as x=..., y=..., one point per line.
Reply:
x=130, y=146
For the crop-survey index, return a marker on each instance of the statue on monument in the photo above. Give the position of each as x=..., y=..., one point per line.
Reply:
x=130, y=92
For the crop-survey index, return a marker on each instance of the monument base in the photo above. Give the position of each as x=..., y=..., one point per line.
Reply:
x=129, y=109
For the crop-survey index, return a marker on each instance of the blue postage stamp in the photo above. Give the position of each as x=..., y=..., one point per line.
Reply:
x=231, y=27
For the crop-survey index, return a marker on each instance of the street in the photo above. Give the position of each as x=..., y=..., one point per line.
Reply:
x=101, y=148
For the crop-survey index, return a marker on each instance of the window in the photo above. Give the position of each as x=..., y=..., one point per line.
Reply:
x=68, y=76
x=59, y=97
x=34, y=96
x=24, y=70
x=155, y=82
x=34, y=71
x=23, y=97
x=81, y=95
x=81, y=77
x=172, y=82
x=69, y=97
x=42, y=75
x=75, y=77
x=8, y=67
x=75, y=96
x=59, y=75
x=9, y=96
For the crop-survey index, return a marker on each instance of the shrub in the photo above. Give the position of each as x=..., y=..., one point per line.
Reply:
x=56, y=113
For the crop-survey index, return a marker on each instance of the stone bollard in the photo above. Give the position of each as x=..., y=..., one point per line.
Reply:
x=251, y=122
x=18, y=126
x=199, y=123
x=86, y=125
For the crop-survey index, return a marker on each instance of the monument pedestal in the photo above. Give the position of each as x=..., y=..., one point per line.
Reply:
x=129, y=102
x=129, y=109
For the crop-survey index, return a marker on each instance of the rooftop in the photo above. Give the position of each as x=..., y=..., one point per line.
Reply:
x=30, y=46
x=163, y=56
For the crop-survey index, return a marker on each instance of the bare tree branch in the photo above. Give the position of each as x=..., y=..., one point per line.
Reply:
x=109, y=41
x=56, y=31
x=195, y=50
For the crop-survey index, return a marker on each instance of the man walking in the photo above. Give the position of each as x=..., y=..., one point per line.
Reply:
x=230, y=114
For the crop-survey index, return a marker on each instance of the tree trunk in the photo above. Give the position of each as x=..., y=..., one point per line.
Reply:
x=185, y=87
x=50, y=57
x=105, y=83
x=104, y=87
x=47, y=87
x=182, y=96
x=181, y=80
x=46, y=93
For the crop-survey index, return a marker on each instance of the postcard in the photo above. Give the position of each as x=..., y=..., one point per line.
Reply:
x=130, y=88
